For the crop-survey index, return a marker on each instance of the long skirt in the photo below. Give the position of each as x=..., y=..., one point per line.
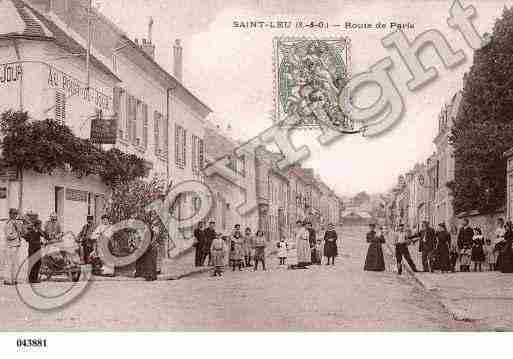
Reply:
x=148, y=264
x=292, y=257
x=374, y=260
x=304, y=255
x=507, y=260
x=330, y=249
x=478, y=254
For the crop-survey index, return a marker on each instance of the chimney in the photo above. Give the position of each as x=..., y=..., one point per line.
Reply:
x=177, y=60
x=147, y=45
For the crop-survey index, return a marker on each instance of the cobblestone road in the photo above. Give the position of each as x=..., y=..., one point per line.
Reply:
x=341, y=297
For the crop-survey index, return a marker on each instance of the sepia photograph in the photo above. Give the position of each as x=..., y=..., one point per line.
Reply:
x=254, y=166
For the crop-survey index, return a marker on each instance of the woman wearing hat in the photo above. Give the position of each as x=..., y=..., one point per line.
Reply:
x=374, y=261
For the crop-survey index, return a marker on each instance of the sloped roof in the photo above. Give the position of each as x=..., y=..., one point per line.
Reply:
x=19, y=20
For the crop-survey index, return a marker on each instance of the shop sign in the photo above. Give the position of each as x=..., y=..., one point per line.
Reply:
x=103, y=130
x=76, y=195
x=10, y=73
x=72, y=87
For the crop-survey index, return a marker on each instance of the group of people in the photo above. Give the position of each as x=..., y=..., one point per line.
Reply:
x=30, y=229
x=245, y=250
x=440, y=253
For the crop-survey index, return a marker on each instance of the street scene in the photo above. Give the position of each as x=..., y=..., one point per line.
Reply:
x=183, y=167
x=341, y=297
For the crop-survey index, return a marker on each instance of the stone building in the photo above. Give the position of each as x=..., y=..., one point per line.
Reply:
x=230, y=188
x=47, y=80
x=440, y=166
x=272, y=195
x=158, y=118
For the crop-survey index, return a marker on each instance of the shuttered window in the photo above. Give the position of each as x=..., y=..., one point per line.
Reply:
x=60, y=107
x=198, y=154
x=131, y=117
x=116, y=103
x=145, y=126
x=156, y=132
x=165, y=136
x=180, y=146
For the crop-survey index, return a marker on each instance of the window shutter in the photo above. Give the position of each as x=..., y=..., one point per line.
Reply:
x=184, y=147
x=177, y=146
x=193, y=153
x=156, y=132
x=116, y=101
x=145, y=125
x=201, y=159
x=165, y=138
x=60, y=107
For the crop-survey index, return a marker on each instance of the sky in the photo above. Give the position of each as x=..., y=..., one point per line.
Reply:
x=231, y=70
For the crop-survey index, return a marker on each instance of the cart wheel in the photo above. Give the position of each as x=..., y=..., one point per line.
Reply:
x=74, y=276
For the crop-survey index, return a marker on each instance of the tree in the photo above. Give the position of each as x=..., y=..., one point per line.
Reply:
x=483, y=129
x=360, y=198
x=129, y=200
x=46, y=145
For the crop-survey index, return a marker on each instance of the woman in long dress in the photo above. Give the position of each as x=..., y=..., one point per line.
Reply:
x=148, y=261
x=374, y=261
x=507, y=250
x=304, y=255
x=442, y=246
x=330, y=244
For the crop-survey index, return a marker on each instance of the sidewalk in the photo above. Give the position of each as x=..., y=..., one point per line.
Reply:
x=473, y=296
x=175, y=268
x=481, y=296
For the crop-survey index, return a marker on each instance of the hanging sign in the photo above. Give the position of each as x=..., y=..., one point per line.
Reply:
x=104, y=130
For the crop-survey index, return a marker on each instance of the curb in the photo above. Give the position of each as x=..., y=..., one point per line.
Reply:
x=456, y=313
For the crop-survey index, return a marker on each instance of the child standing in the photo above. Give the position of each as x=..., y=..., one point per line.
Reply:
x=477, y=254
x=282, y=250
x=490, y=255
x=237, y=250
x=259, y=245
x=318, y=251
x=217, y=251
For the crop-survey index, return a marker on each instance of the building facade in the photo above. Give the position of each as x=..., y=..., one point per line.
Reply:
x=440, y=166
x=47, y=79
x=230, y=190
x=158, y=118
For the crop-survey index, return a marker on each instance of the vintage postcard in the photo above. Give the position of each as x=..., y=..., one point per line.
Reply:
x=255, y=165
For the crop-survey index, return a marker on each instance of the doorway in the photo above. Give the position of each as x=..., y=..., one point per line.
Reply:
x=59, y=203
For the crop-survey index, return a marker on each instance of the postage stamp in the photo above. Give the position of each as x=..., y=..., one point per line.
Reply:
x=310, y=73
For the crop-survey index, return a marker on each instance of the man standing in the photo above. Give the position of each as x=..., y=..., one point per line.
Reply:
x=12, y=231
x=401, y=243
x=427, y=244
x=209, y=235
x=199, y=244
x=85, y=238
x=464, y=243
